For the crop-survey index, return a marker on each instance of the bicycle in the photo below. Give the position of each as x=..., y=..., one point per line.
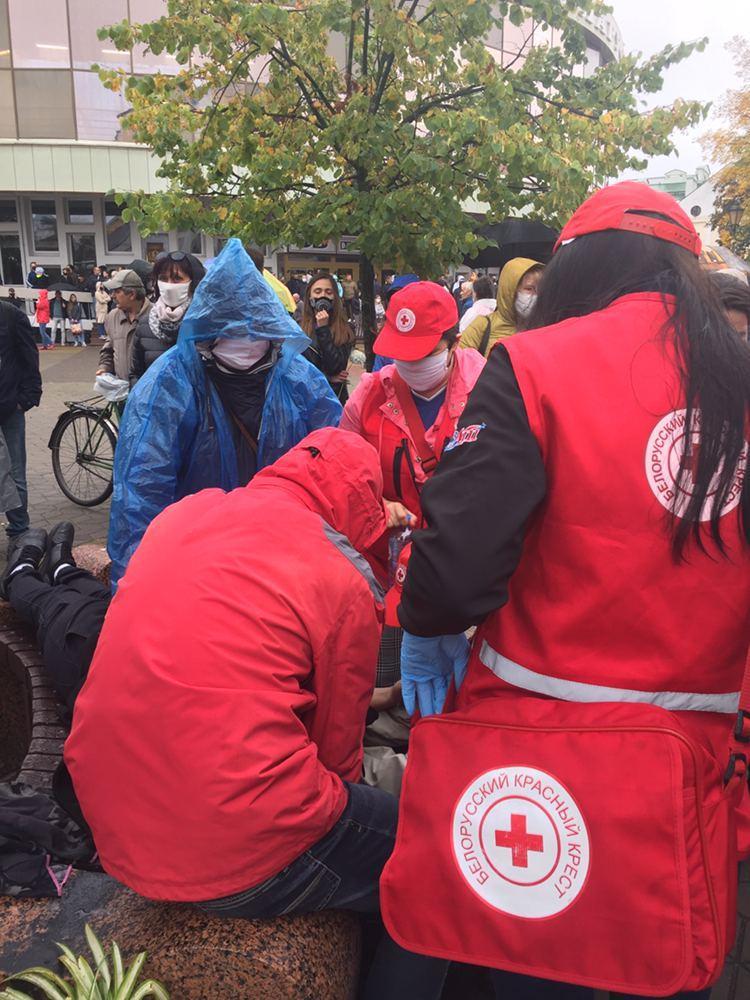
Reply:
x=83, y=444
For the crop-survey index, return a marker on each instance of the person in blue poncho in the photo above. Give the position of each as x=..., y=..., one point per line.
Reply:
x=231, y=397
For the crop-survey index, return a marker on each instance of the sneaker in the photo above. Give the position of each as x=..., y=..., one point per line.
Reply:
x=29, y=550
x=60, y=549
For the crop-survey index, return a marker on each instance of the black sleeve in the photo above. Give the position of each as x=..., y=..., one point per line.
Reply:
x=476, y=505
x=333, y=359
x=27, y=357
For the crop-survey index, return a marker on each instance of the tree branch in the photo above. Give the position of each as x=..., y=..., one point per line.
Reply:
x=442, y=99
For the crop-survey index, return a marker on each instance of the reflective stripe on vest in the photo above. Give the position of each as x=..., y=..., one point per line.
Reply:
x=556, y=687
x=357, y=560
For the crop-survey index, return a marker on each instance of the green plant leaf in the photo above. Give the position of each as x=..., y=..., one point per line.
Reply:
x=128, y=983
x=102, y=966
x=151, y=988
x=48, y=982
x=117, y=970
x=10, y=994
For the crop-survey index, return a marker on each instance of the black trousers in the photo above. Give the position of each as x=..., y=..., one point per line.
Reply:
x=68, y=617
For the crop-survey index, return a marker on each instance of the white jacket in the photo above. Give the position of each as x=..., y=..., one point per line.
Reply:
x=482, y=307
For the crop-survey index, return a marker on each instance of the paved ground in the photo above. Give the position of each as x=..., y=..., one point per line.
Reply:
x=67, y=373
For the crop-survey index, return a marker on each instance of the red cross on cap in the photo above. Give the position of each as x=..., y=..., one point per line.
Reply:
x=417, y=317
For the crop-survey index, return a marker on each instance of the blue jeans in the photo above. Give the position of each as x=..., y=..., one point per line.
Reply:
x=340, y=871
x=46, y=339
x=14, y=432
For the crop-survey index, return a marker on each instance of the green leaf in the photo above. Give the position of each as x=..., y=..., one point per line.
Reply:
x=131, y=976
x=12, y=994
x=102, y=966
x=117, y=969
x=50, y=984
x=151, y=988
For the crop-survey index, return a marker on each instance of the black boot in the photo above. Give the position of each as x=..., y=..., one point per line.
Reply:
x=30, y=550
x=60, y=549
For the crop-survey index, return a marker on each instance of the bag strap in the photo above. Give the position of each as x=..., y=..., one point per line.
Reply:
x=485, y=338
x=739, y=744
x=427, y=457
x=245, y=433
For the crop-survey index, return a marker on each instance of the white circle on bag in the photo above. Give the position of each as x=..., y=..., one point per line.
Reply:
x=520, y=842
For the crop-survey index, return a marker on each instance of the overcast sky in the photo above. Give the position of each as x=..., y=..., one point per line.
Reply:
x=648, y=25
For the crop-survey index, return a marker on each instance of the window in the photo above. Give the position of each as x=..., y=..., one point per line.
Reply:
x=45, y=104
x=695, y=211
x=189, y=242
x=82, y=251
x=7, y=111
x=155, y=244
x=39, y=33
x=8, y=211
x=79, y=213
x=44, y=225
x=117, y=232
x=4, y=35
x=98, y=110
x=143, y=60
x=11, y=272
x=85, y=19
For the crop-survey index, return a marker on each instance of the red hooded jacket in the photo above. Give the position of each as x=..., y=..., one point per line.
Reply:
x=227, y=697
x=42, y=307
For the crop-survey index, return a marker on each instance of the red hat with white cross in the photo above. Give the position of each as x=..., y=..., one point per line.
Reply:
x=416, y=319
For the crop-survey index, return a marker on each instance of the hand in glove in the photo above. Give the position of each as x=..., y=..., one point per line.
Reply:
x=427, y=667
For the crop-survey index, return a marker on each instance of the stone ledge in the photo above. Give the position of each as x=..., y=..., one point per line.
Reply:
x=315, y=957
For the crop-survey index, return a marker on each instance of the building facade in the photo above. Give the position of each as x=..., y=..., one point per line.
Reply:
x=64, y=148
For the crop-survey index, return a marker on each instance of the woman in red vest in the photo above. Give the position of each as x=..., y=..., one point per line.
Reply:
x=409, y=410
x=596, y=525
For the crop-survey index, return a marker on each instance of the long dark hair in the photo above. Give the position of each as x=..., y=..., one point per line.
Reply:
x=340, y=330
x=590, y=273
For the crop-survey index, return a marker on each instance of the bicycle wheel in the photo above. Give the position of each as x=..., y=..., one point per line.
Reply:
x=83, y=453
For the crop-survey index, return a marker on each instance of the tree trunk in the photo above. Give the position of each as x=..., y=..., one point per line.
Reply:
x=367, y=281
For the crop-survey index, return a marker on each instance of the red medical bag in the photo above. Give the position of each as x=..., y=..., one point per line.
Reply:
x=592, y=844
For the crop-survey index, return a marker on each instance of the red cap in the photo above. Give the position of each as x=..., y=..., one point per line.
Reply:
x=618, y=207
x=416, y=319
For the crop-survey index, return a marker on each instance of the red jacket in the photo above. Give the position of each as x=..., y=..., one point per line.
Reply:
x=373, y=411
x=598, y=610
x=42, y=307
x=227, y=697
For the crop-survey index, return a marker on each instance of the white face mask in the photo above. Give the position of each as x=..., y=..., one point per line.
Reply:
x=525, y=302
x=240, y=352
x=425, y=374
x=173, y=295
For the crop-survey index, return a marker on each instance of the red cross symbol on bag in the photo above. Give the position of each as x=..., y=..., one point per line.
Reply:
x=519, y=841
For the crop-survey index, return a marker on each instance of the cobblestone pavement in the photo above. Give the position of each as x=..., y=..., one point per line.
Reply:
x=67, y=373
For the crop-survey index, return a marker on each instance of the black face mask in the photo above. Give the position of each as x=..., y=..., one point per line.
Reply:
x=324, y=304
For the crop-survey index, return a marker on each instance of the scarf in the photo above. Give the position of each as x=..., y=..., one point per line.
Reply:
x=164, y=322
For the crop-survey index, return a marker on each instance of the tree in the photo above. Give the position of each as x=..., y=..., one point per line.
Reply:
x=264, y=134
x=730, y=146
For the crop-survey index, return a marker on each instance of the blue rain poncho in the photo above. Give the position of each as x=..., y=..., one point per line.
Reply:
x=175, y=437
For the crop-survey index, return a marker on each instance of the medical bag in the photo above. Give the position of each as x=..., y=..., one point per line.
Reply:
x=592, y=844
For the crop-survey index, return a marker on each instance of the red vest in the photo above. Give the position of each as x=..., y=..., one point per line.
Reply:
x=598, y=610
x=393, y=429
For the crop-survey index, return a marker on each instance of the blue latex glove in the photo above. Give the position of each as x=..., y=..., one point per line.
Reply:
x=428, y=665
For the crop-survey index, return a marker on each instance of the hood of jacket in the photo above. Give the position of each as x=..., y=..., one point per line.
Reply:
x=43, y=295
x=235, y=300
x=337, y=475
x=504, y=321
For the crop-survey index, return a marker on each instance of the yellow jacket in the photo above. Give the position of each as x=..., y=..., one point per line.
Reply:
x=503, y=320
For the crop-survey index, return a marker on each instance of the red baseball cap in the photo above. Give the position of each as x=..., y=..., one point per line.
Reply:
x=416, y=319
x=619, y=207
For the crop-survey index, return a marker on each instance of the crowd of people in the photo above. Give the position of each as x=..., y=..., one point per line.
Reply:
x=528, y=526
